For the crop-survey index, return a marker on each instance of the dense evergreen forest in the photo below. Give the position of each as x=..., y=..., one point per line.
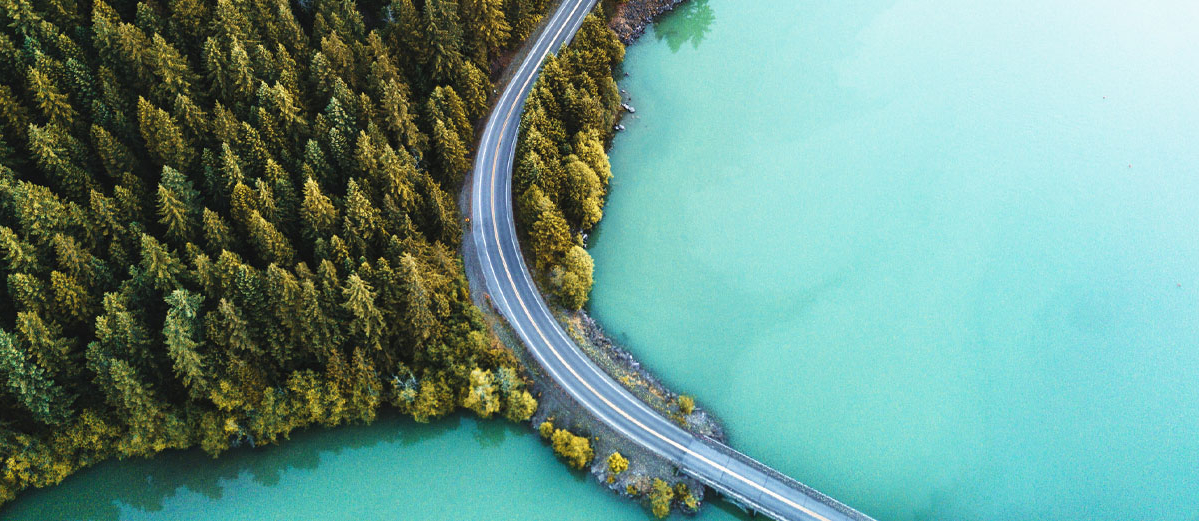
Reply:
x=223, y=220
x=562, y=171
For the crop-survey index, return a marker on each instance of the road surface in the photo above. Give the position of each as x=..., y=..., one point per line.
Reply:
x=496, y=250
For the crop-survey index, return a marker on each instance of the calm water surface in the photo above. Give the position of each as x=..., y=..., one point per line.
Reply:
x=458, y=468
x=937, y=258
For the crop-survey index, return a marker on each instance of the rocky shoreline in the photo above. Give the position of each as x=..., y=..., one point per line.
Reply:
x=629, y=23
x=633, y=16
x=557, y=406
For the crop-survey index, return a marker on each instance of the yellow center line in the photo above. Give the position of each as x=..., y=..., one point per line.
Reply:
x=540, y=333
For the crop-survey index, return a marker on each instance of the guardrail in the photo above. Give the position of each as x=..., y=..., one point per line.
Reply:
x=745, y=503
x=783, y=478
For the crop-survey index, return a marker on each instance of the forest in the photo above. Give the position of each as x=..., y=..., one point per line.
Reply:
x=224, y=220
x=562, y=172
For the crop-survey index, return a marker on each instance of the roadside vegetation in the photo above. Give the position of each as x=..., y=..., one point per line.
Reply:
x=562, y=173
x=224, y=220
x=560, y=181
x=574, y=449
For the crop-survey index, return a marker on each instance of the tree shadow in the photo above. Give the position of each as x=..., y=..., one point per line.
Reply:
x=497, y=431
x=689, y=23
x=102, y=492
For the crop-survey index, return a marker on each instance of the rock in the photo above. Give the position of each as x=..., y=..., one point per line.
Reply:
x=628, y=108
x=632, y=16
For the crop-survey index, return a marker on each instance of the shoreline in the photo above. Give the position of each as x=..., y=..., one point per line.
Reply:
x=644, y=467
x=633, y=16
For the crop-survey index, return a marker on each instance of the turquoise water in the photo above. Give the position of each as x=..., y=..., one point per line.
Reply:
x=939, y=259
x=459, y=468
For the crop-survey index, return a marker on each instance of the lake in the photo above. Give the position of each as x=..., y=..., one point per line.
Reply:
x=938, y=259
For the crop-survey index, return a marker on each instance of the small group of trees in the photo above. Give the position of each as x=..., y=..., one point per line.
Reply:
x=660, y=496
x=617, y=463
x=575, y=450
x=221, y=220
x=562, y=171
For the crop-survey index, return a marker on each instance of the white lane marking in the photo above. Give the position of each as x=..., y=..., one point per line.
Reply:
x=499, y=291
x=524, y=272
x=540, y=333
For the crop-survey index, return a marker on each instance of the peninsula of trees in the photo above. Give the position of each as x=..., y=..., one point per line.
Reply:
x=223, y=220
x=562, y=169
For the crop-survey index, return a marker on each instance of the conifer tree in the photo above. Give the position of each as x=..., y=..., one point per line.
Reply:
x=451, y=153
x=444, y=33
x=178, y=205
x=481, y=396
x=420, y=319
x=317, y=212
x=366, y=322
x=445, y=105
x=161, y=267
x=271, y=245
x=164, y=139
x=181, y=333
x=29, y=383
x=217, y=234
x=55, y=152
x=50, y=100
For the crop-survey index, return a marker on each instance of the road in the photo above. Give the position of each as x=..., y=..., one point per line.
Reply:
x=510, y=286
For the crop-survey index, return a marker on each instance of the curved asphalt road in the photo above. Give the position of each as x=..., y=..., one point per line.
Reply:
x=512, y=291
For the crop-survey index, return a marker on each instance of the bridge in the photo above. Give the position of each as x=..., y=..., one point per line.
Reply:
x=506, y=279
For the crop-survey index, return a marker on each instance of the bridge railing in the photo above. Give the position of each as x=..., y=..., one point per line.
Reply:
x=738, y=499
x=783, y=478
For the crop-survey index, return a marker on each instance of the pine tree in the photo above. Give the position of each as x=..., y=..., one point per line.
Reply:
x=444, y=34
x=485, y=23
x=317, y=212
x=227, y=330
x=549, y=234
x=114, y=155
x=56, y=153
x=445, y=105
x=160, y=266
x=523, y=16
x=52, y=102
x=29, y=384
x=181, y=333
x=13, y=115
x=285, y=336
x=217, y=234
x=394, y=110
x=169, y=73
x=420, y=319
x=366, y=322
x=70, y=298
x=583, y=195
x=164, y=139
x=178, y=205
x=451, y=153
x=19, y=256
x=472, y=82
x=271, y=245
x=361, y=218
